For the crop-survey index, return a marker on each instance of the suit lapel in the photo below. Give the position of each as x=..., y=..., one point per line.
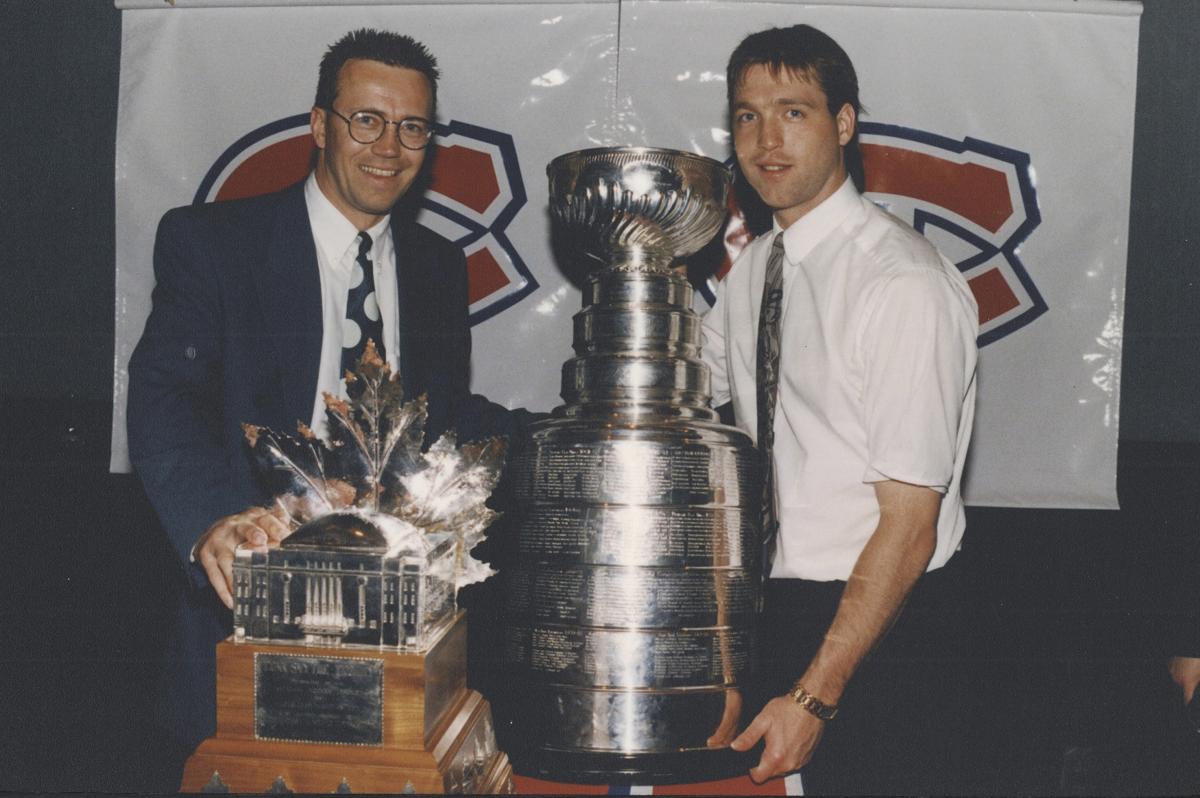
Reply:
x=408, y=255
x=289, y=290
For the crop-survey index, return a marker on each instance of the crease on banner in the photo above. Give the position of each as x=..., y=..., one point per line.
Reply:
x=1106, y=363
x=609, y=130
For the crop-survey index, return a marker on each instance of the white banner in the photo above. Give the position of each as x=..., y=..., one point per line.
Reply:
x=1003, y=131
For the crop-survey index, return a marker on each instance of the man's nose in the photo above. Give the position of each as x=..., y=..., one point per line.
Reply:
x=769, y=134
x=389, y=142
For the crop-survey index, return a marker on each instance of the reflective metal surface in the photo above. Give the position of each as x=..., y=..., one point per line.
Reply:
x=334, y=583
x=631, y=609
x=623, y=720
x=632, y=597
x=638, y=207
x=383, y=529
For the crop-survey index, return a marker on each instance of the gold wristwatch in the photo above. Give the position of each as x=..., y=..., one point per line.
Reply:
x=811, y=703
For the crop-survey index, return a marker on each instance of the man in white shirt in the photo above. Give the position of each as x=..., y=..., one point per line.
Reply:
x=873, y=414
x=251, y=323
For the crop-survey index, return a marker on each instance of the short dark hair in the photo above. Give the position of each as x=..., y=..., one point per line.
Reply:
x=803, y=50
x=386, y=47
x=807, y=52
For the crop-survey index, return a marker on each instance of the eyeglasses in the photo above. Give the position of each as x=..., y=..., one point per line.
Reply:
x=368, y=127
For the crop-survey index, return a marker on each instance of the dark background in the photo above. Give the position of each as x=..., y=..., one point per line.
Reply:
x=1075, y=609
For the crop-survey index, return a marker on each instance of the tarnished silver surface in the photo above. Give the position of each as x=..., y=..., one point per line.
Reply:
x=631, y=609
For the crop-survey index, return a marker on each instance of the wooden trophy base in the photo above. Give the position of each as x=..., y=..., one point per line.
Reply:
x=321, y=720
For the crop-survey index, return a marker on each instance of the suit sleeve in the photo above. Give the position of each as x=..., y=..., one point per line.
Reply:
x=174, y=412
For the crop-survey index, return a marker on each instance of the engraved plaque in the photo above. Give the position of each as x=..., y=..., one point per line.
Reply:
x=626, y=597
x=639, y=535
x=335, y=700
x=636, y=471
x=568, y=655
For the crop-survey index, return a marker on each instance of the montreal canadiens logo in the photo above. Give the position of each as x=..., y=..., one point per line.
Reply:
x=475, y=191
x=974, y=200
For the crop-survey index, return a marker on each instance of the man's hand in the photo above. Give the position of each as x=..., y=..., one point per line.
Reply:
x=1185, y=671
x=886, y=570
x=214, y=550
x=792, y=734
x=729, y=720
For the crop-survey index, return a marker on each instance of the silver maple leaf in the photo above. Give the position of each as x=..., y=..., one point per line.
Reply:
x=373, y=462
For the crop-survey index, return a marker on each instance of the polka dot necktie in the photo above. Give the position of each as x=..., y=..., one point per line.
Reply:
x=767, y=380
x=363, y=321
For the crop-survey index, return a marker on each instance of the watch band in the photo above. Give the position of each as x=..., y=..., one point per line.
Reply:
x=811, y=703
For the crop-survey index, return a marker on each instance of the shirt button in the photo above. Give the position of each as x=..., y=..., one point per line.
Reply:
x=190, y=353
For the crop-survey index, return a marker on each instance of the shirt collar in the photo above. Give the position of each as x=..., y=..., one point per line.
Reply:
x=333, y=233
x=811, y=228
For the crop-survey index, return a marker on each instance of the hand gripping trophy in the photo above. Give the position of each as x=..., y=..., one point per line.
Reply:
x=347, y=667
x=631, y=608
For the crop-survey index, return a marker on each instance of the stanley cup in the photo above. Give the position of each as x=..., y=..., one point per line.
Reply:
x=631, y=607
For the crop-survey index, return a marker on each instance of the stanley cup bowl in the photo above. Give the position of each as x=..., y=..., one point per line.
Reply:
x=630, y=607
x=638, y=207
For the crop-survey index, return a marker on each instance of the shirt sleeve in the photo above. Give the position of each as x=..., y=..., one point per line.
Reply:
x=713, y=350
x=918, y=355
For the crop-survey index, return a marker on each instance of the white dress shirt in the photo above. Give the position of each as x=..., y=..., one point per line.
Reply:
x=336, y=240
x=876, y=377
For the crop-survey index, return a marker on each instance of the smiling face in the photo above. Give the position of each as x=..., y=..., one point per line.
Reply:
x=364, y=181
x=788, y=144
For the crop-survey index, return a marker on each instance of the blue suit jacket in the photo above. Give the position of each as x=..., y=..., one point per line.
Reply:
x=234, y=335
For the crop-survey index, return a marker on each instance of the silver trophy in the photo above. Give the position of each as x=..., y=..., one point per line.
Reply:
x=347, y=666
x=631, y=608
x=383, y=530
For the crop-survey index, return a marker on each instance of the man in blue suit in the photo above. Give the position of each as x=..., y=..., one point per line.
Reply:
x=250, y=320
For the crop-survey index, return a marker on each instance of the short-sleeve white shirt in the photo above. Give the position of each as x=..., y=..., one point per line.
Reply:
x=876, y=378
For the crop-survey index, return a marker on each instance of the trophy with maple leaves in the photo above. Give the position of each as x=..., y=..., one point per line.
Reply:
x=347, y=666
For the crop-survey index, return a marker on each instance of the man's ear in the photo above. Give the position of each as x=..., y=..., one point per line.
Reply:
x=846, y=120
x=316, y=123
